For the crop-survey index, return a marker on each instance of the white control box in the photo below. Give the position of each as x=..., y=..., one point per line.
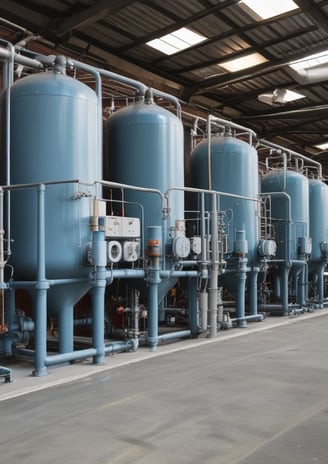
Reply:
x=121, y=227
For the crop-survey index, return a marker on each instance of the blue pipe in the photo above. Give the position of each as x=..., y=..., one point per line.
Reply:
x=174, y=335
x=6, y=373
x=252, y=291
x=153, y=280
x=193, y=319
x=72, y=356
x=40, y=332
x=65, y=328
x=284, y=288
x=129, y=345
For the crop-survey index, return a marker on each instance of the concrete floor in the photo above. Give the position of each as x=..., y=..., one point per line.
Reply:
x=254, y=396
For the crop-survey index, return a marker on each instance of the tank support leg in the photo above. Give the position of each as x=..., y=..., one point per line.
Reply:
x=65, y=328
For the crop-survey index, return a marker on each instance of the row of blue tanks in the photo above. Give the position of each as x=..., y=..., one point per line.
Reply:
x=103, y=208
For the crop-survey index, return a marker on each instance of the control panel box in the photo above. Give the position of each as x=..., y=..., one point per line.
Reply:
x=120, y=227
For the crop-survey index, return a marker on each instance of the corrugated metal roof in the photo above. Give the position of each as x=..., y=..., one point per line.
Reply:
x=113, y=34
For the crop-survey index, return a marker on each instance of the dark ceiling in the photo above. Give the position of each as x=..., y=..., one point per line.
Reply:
x=112, y=34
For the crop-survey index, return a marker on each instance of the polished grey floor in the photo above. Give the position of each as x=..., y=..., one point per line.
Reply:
x=256, y=399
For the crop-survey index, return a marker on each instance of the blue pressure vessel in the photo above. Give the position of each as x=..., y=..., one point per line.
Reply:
x=54, y=127
x=318, y=198
x=289, y=210
x=145, y=149
x=233, y=169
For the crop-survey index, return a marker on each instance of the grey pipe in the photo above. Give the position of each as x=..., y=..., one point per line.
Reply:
x=234, y=125
x=213, y=280
x=168, y=97
x=21, y=59
x=256, y=317
x=293, y=153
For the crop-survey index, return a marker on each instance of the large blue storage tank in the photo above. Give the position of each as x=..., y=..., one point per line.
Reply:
x=234, y=169
x=318, y=198
x=145, y=149
x=296, y=186
x=54, y=127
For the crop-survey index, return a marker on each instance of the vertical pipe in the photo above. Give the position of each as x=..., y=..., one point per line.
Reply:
x=242, y=269
x=321, y=284
x=153, y=279
x=8, y=81
x=40, y=332
x=301, y=286
x=193, y=320
x=65, y=328
x=153, y=311
x=98, y=296
x=3, y=326
x=240, y=303
x=252, y=291
x=203, y=307
x=213, y=280
x=209, y=167
x=284, y=288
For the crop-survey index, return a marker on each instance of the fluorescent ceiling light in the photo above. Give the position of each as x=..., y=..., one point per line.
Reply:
x=322, y=146
x=310, y=61
x=176, y=41
x=265, y=9
x=290, y=95
x=244, y=62
x=279, y=97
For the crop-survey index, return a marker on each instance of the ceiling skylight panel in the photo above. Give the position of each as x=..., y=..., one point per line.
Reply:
x=176, y=41
x=265, y=9
x=310, y=61
x=244, y=62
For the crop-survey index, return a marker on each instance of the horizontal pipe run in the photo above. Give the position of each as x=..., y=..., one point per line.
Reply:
x=174, y=335
x=167, y=274
x=129, y=345
x=256, y=317
x=52, y=282
x=20, y=59
x=109, y=75
x=6, y=373
x=67, y=357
